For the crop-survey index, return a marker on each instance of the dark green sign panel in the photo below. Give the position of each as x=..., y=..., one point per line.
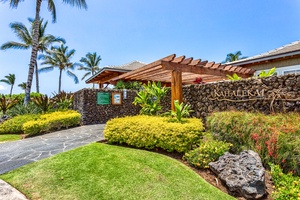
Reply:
x=103, y=98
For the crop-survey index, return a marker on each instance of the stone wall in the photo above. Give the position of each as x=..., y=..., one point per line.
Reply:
x=85, y=101
x=267, y=95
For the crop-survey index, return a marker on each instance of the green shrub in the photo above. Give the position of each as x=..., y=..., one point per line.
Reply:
x=208, y=151
x=287, y=186
x=154, y=132
x=21, y=109
x=52, y=121
x=274, y=137
x=14, y=125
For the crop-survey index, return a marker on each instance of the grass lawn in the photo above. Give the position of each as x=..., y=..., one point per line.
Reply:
x=9, y=137
x=100, y=171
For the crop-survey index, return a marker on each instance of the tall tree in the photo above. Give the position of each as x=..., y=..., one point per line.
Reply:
x=51, y=8
x=234, y=56
x=25, y=35
x=91, y=62
x=59, y=57
x=10, y=80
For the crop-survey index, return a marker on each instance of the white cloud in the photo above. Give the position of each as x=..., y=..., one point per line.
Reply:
x=2, y=87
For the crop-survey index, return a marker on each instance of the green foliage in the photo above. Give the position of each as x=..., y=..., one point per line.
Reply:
x=14, y=125
x=181, y=110
x=21, y=109
x=21, y=96
x=263, y=73
x=274, y=137
x=43, y=102
x=149, y=98
x=154, y=132
x=131, y=85
x=63, y=100
x=287, y=186
x=208, y=151
x=52, y=121
x=7, y=103
x=234, y=77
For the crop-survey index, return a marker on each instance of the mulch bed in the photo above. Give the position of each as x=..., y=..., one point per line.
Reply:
x=206, y=174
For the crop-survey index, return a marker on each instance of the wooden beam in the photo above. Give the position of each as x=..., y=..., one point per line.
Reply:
x=176, y=87
x=149, y=66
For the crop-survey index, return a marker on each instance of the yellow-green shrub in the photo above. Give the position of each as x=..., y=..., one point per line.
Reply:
x=52, y=121
x=14, y=125
x=152, y=131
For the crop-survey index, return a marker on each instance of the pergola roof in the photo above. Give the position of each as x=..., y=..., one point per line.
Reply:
x=188, y=67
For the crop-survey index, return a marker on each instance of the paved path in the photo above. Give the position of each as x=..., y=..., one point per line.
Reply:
x=18, y=153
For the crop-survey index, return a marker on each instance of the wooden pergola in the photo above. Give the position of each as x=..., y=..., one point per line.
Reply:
x=180, y=70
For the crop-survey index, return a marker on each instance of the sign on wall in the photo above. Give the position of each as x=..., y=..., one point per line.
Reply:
x=103, y=98
x=116, y=98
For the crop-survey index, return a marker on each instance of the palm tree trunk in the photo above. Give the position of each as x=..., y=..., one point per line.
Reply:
x=59, y=81
x=11, y=88
x=33, y=51
x=37, y=78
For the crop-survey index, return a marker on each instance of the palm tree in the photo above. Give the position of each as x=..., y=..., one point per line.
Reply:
x=10, y=80
x=234, y=56
x=91, y=62
x=26, y=36
x=59, y=57
x=22, y=86
x=34, y=50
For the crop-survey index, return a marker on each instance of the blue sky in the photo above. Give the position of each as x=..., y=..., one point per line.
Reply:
x=123, y=31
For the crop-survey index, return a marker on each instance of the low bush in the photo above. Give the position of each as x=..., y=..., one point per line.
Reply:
x=14, y=125
x=287, y=185
x=208, y=151
x=52, y=121
x=274, y=137
x=154, y=132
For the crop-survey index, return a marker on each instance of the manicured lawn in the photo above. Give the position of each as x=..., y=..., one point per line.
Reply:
x=9, y=137
x=100, y=171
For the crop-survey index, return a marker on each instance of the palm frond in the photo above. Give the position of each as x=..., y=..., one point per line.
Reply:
x=72, y=75
x=78, y=3
x=52, y=9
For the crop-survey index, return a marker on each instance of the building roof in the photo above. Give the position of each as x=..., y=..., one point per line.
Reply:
x=291, y=49
x=111, y=71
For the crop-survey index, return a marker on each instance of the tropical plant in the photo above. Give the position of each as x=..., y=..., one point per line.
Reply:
x=132, y=85
x=181, y=110
x=264, y=73
x=22, y=86
x=7, y=103
x=59, y=57
x=149, y=98
x=25, y=35
x=63, y=100
x=234, y=57
x=10, y=80
x=43, y=102
x=91, y=62
x=234, y=77
x=51, y=8
x=21, y=109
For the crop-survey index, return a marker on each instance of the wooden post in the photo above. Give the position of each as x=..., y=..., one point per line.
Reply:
x=101, y=86
x=176, y=87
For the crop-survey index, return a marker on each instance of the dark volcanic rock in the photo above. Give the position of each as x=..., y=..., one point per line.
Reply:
x=243, y=174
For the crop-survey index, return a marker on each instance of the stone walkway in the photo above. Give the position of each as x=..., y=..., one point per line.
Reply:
x=18, y=153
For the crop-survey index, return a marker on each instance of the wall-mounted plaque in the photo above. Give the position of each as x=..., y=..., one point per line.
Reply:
x=116, y=98
x=103, y=98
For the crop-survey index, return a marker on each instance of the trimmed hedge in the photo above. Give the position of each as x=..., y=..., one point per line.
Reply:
x=14, y=125
x=52, y=121
x=154, y=132
x=276, y=138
